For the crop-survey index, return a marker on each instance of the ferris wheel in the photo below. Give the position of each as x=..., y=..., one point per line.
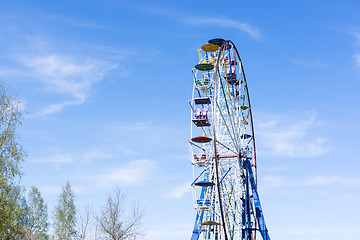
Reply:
x=222, y=148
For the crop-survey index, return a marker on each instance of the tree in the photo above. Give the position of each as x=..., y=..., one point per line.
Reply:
x=84, y=218
x=11, y=154
x=12, y=202
x=115, y=222
x=37, y=220
x=13, y=210
x=65, y=215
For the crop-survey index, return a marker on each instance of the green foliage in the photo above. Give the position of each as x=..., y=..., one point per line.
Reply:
x=11, y=152
x=12, y=203
x=37, y=216
x=65, y=215
x=12, y=212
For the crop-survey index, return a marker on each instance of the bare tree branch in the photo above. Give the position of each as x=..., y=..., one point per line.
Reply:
x=115, y=222
x=85, y=218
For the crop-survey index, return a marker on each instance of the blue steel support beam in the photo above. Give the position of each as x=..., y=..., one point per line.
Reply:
x=248, y=207
x=258, y=210
x=243, y=218
x=197, y=229
x=244, y=199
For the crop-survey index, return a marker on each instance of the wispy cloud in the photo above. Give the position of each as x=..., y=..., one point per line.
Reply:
x=65, y=75
x=356, y=33
x=76, y=22
x=48, y=190
x=290, y=139
x=146, y=134
x=333, y=180
x=310, y=64
x=224, y=22
x=168, y=231
x=213, y=21
x=317, y=231
x=180, y=190
x=56, y=107
x=357, y=60
x=95, y=154
x=57, y=158
x=133, y=173
x=271, y=181
x=159, y=11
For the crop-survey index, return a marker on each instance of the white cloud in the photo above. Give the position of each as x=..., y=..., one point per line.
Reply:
x=57, y=158
x=323, y=180
x=146, y=134
x=317, y=231
x=166, y=234
x=356, y=57
x=293, y=138
x=48, y=190
x=133, y=126
x=56, y=107
x=83, y=157
x=214, y=21
x=271, y=181
x=132, y=173
x=160, y=11
x=65, y=75
x=357, y=60
x=169, y=230
x=77, y=22
x=180, y=190
x=310, y=64
x=224, y=22
x=355, y=32
x=96, y=154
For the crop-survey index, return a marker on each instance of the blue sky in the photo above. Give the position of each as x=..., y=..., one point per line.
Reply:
x=105, y=85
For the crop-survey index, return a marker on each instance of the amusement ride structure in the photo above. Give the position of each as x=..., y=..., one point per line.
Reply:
x=222, y=148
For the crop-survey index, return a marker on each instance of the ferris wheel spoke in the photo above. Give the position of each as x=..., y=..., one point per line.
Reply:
x=226, y=147
x=231, y=133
